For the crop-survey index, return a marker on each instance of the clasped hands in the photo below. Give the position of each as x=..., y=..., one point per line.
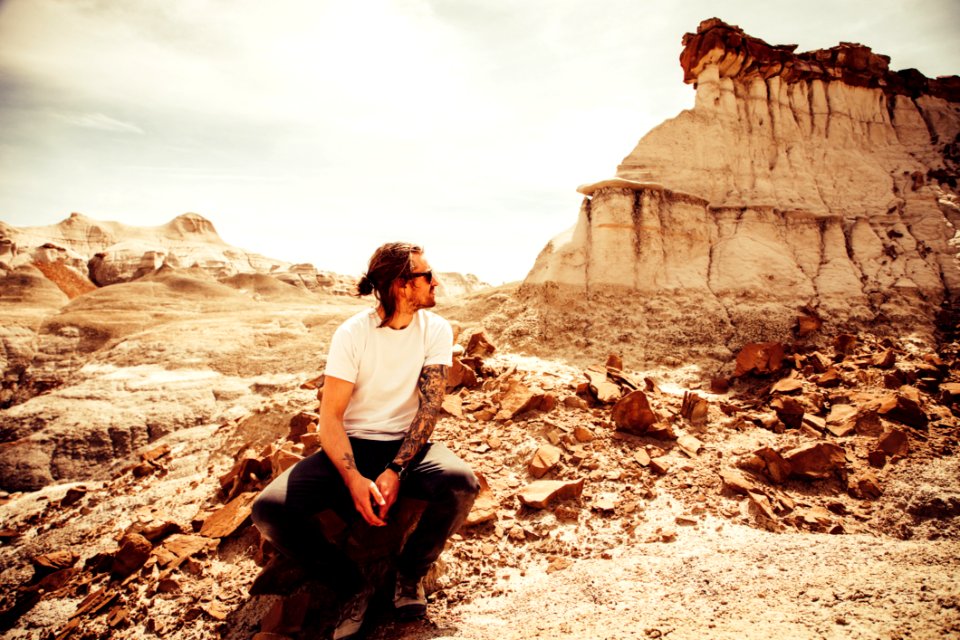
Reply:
x=373, y=499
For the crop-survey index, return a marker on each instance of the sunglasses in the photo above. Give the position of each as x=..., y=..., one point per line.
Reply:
x=426, y=274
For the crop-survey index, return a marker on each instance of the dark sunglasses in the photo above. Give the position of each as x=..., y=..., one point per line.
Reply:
x=426, y=274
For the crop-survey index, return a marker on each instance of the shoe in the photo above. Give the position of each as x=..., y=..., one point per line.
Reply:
x=409, y=600
x=351, y=616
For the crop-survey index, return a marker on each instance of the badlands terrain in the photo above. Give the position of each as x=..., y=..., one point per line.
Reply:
x=724, y=404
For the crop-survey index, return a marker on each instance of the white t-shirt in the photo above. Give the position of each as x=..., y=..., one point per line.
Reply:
x=385, y=364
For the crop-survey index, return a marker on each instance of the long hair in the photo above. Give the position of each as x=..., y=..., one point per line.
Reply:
x=387, y=264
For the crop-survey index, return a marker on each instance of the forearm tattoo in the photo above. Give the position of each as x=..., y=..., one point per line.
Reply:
x=348, y=462
x=432, y=384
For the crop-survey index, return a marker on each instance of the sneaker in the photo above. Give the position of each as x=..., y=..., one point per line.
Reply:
x=351, y=616
x=409, y=600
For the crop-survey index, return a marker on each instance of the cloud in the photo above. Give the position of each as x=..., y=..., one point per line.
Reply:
x=98, y=121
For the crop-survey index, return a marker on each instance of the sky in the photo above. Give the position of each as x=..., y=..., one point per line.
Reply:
x=315, y=130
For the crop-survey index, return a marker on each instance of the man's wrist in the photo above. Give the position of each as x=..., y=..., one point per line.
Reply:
x=396, y=468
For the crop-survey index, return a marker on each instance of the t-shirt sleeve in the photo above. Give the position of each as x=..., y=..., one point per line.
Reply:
x=343, y=361
x=439, y=343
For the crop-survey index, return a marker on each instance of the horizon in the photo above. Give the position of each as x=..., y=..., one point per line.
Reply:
x=313, y=132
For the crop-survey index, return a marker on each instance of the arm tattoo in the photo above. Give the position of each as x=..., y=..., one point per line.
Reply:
x=348, y=462
x=432, y=384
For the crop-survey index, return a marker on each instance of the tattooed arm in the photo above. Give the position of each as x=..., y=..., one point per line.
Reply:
x=432, y=384
x=334, y=441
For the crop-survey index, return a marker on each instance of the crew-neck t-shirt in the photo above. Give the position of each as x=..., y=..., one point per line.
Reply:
x=384, y=364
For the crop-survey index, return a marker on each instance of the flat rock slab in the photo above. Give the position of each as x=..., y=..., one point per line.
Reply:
x=229, y=518
x=541, y=493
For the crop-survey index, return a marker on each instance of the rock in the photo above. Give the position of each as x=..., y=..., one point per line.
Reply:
x=541, y=493
x=903, y=409
x=816, y=461
x=575, y=402
x=829, y=379
x=884, y=360
x=759, y=358
x=519, y=398
x=894, y=443
x=787, y=385
x=460, y=374
x=762, y=503
x=864, y=485
x=582, y=434
x=601, y=388
x=868, y=423
x=544, y=459
x=877, y=458
x=301, y=424
x=453, y=405
x=154, y=454
x=479, y=346
x=816, y=422
x=808, y=324
x=642, y=457
x=844, y=344
x=789, y=411
x=819, y=362
x=485, y=507
x=689, y=445
x=47, y=563
x=133, y=553
x=842, y=420
x=73, y=495
x=768, y=463
x=659, y=466
x=633, y=413
x=180, y=547
x=694, y=409
x=228, y=518
x=614, y=362
x=605, y=503
x=738, y=482
x=950, y=392
x=287, y=614
x=282, y=459
x=719, y=385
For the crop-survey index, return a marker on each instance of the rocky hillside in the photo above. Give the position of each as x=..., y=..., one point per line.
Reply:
x=111, y=252
x=819, y=180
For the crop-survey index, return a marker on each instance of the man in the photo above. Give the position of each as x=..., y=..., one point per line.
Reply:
x=384, y=383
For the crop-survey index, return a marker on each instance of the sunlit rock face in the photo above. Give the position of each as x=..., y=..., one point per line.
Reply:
x=820, y=180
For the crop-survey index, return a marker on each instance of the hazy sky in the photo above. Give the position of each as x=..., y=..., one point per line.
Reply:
x=314, y=130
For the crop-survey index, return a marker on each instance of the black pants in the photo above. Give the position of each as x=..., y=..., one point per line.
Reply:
x=284, y=510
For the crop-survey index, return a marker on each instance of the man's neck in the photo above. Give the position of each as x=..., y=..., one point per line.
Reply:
x=401, y=319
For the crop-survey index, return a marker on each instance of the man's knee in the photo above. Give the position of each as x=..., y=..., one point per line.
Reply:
x=267, y=513
x=462, y=483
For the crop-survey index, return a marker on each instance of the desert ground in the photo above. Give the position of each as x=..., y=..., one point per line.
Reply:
x=657, y=538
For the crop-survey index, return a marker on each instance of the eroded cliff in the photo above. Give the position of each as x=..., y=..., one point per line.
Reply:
x=820, y=180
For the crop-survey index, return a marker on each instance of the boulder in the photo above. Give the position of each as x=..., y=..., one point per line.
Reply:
x=759, y=358
x=133, y=553
x=816, y=461
x=633, y=413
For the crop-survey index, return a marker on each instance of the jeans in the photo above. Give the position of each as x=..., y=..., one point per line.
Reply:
x=284, y=512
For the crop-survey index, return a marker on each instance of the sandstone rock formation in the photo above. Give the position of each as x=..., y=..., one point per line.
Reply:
x=817, y=180
x=112, y=252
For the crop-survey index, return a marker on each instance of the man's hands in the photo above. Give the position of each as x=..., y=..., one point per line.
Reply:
x=373, y=500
